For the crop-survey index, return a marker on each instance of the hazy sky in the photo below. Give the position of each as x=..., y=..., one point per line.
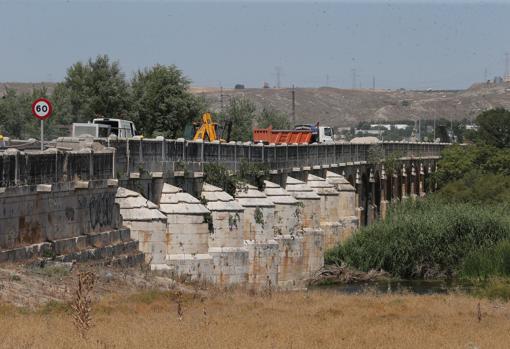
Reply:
x=406, y=44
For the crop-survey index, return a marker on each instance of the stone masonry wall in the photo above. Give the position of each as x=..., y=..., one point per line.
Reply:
x=34, y=214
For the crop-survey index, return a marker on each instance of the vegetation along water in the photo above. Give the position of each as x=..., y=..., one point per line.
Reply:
x=460, y=233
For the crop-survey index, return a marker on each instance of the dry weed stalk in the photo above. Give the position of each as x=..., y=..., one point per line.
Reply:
x=479, y=312
x=178, y=300
x=82, y=305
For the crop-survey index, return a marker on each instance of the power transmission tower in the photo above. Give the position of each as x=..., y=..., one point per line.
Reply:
x=353, y=72
x=485, y=75
x=293, y=106
x=327, y=80
x=278, y=70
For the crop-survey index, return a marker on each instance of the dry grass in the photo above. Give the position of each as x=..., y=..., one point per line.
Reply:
x=284, y=320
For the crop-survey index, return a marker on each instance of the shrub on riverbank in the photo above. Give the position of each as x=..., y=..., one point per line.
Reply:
x=427, y=238
x=488, y=262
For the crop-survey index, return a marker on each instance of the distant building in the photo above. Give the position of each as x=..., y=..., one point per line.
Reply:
x=389, y=126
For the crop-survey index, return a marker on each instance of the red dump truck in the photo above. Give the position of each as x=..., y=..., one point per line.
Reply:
x=302, y=134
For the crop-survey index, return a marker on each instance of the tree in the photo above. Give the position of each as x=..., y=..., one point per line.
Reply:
x=163, y=104
x=494, y=127
x=241, y=112
x=96, y=88
x=16, y=119
x=272, y=117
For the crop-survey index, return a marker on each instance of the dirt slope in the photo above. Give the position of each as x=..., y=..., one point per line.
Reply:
x=343, y=107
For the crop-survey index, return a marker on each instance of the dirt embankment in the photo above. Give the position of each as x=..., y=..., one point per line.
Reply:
x=347, y=107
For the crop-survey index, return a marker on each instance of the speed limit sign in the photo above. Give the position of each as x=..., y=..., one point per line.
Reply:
x=42, y=108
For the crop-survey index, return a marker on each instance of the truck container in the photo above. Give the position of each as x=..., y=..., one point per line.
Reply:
x=268, y=135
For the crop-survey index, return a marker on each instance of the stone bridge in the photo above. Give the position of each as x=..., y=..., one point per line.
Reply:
x=111, y=199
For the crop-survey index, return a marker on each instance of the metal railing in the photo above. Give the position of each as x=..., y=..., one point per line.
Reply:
x=167, y=155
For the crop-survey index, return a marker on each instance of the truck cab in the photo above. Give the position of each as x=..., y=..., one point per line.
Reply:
x=104, y=127
x=120, y=128
x=320, y=134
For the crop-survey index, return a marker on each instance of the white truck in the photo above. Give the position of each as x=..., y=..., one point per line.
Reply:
x=104, y=127
x=320, y=134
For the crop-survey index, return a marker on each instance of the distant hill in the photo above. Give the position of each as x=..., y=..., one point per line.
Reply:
x=346, y=107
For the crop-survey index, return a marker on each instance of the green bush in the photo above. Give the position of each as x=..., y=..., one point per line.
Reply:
x=426, y=238
x=220, y=177
x=487, y=262
x=478, y=188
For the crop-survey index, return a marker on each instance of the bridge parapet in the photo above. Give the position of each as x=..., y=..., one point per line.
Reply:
x=161, y=155
x=120, y=158
x=54, y=166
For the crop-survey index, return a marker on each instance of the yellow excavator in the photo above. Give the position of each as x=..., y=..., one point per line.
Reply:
x=208, y=128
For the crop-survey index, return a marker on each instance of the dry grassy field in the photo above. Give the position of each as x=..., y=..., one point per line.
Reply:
x=315, y=319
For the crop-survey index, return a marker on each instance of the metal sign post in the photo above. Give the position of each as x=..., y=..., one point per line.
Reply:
x=42, y=109
x=42, y=135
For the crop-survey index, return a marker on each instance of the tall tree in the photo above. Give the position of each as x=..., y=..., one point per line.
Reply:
x=163, y=104
x=96, y=88
x=16, y=119
x=494, y=127
x=272, y=117
x=241, y=112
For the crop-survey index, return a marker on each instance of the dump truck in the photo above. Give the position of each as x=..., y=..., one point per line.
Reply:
x=301, y=134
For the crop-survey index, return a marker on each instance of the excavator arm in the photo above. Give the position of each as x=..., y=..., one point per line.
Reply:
x=207, y=129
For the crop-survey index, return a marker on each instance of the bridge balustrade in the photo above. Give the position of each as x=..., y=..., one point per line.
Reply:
x=159, y=155
x=47, y=168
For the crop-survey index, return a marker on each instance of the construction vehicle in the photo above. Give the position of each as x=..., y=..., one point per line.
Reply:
x=302, y=134
x=208, y=130
x=104, y=127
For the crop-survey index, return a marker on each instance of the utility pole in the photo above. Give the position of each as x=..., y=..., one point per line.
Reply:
x=327, y=80
x=353, y=72
x=485, y=75
x=293, y=106
x=373, y=82
x=434, y=128
x=221, y=98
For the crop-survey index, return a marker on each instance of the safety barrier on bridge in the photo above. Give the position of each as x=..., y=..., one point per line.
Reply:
x=122, y=157
x=155, y=155
x=51, y=166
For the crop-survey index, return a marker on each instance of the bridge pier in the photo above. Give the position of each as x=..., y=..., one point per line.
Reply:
x=413, y=183
x=403, y=182
x=371, y=212
x=384, y=194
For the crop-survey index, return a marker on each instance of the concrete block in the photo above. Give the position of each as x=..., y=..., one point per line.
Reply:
x=44, y=188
